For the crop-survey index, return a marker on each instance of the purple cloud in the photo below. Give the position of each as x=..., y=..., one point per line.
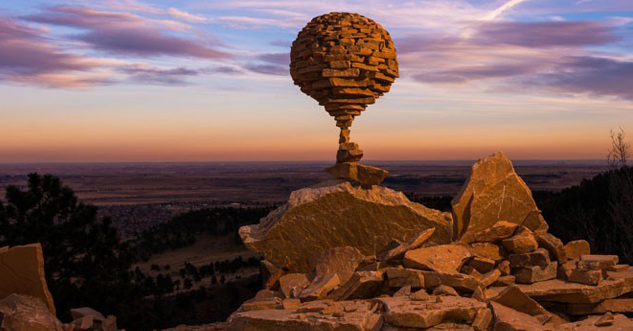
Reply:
x=27, y=56
x=124, y=33
x=149, y=75
x=546, y=34
x=590, y=75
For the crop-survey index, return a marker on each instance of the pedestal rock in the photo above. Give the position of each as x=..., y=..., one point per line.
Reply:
x=337, y=213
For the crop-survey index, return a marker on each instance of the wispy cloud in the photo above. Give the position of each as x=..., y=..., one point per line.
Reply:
x=124, y=33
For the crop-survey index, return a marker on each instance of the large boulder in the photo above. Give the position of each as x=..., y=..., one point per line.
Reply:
x=493, y=192
x=24, y=312
x=335, y=214
x=22, y=272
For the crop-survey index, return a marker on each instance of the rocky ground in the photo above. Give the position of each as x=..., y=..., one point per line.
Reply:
x=488, y=265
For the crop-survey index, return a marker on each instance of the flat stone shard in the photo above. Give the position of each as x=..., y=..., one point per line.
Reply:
x=553, y=245
x=25, y=312
x=404, y=312
x=533, y=274
x=315, y=315
x=365, y=175
x=293, y=283
x=624, y=305
x=499, y=230
x=493, y=192
x=569, y=292
x=396, y=249
x=597, y=262
x=362, y=285
x=441, y=258
x=588, y=277
x=522, y=242
x=338, y=260
x=363, y=218
x=574, y=249
x=506, y=318
x=512, y=297
x=22, y=272
x=487, y=250
x=400, y=277
x=539, y=257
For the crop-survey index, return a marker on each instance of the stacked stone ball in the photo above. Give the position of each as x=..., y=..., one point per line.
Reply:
x=345, y=61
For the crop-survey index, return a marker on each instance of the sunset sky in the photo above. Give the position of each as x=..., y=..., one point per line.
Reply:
x=207, y=80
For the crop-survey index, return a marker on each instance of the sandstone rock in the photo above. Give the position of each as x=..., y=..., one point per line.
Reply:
x=513, y=297
x=468, y=270
x=565, y=270
x=404, y=291
x=338, y=260
x=403, y=312
x=493, y=192
x=25, y=312
x=484, y=294
x=481, y=264
x=539, y=257
x=399, y=277
x=498, y=230
x=441, y=258
x=482, y=320
x=522, y=242
x=445, y=290
x=293, y=283
x=362, y=285
x=251, y=305
x=605, y=320
x=624, y=305
x=316, y=315
x=110, y=324
x=505, y=281
x=22, y=272
x=486, y=250
x=512, y=320
x=367, y=176
x=363, y=218
x=490, y=277
x=597, y=262
x=574, y=249
x=320, y=287
x=87, y=311
x=504, y=267
x=396, y=249
x=460, y=282
x=553, y=245
x=588, y=277
x=84, y=322
x=560, y=291
x=290, y=303
x=529, y=275
x=420, y=295
x=619, y=268
x=619, y=322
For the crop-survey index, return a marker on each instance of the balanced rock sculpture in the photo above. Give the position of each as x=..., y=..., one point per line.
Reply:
x=345, y=61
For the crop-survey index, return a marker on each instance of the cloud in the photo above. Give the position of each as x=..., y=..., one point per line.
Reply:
x=159, y=76
x=127, y=34
x=270, y=64
x=505, y=7
x=546, y=34
x=188, y=17
x=27, y=56
x=594, y=76
x=549, y=56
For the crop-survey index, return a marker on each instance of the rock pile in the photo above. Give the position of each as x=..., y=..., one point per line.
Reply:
x=345, y=61
x=502, y=271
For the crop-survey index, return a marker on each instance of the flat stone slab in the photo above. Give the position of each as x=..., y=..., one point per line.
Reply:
x=404, y=312
x=323, y=315
x=560, y=291
x=336, y=214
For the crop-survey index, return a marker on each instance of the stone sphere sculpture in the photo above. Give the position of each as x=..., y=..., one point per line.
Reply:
x=345, y=61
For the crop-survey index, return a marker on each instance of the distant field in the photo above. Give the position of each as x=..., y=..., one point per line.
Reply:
x=192, y=185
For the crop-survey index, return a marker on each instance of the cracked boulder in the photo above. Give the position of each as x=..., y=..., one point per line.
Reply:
x=493, y=192
x=336, y=214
